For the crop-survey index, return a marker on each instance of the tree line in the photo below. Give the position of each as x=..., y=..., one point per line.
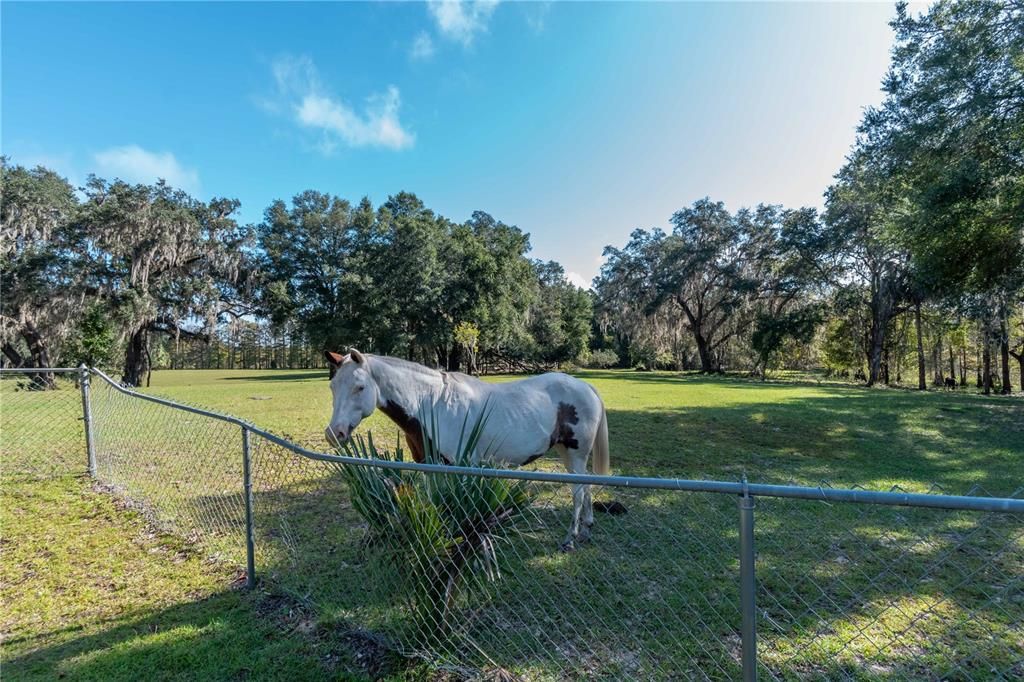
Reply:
x=155, y=277
x=914, y=267
x=919, y=252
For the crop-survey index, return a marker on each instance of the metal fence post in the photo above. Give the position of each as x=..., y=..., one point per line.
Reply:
x=748, y=587
x=250, y=531
x=90, y=448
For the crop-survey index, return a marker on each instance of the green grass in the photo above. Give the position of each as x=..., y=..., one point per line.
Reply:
x=91, y=592
x=653, y=595
x=661, y=424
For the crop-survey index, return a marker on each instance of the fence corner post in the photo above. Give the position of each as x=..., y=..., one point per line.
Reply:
x=748, y=586
x=250, y=531
x=90, y=446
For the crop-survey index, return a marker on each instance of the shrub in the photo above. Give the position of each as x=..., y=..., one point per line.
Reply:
x=602, y=359
x=438, y=531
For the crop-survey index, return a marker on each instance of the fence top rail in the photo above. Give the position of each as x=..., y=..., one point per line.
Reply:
x=822, y=493
x=38, y=370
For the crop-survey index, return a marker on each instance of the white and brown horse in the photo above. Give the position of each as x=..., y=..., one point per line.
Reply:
x=525, y=418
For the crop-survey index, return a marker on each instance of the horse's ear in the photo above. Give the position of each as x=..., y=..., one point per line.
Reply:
x=334, y=359
x=358, y=357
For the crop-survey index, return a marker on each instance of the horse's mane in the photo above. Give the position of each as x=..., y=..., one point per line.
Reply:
x=407, y=365
x=444, y=376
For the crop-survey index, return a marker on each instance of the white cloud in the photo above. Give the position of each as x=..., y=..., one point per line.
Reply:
x=422, y=47
x=132, y=163
x=537, y=15
x=461, y=21
x=577, y=279
x=311, y=106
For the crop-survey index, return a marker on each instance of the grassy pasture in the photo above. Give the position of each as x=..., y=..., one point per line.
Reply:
x=654, y=595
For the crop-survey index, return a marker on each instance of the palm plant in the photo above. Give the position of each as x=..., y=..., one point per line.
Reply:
x=439, y=531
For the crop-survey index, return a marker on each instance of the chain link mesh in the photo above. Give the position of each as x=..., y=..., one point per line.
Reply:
x=894, y=592
x=652, y=595
x=182, y=470
x=845, y=591
x=41, y=433
x=468, y=573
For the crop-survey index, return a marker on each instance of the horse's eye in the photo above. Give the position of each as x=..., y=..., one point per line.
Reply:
x=358, y=388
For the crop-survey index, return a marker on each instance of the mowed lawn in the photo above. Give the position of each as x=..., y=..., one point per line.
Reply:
x=90, y=591
x=662, y=424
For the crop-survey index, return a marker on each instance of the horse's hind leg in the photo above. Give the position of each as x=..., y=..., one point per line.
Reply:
x=574, y=535
x=582, y=507
x=580, y=466
x=588, y=509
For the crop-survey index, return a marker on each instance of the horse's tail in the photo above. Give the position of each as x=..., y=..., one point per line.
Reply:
x=602, y=463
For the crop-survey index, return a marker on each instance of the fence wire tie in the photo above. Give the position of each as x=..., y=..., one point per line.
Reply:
x=771, y=621
x=978, y=490
x=822, y=484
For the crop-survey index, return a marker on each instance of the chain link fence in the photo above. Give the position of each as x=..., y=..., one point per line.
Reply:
x=463, y=568
x=41, y=432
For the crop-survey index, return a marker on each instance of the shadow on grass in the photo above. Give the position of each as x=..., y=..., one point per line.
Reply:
x=233, y=634
x=849, y=437
x=291, y=376
x=843, y=589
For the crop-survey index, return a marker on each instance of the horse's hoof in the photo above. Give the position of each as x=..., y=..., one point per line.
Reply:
x=584, y=536
x=568, y=546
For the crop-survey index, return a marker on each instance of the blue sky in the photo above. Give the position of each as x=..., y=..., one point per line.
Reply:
x=578, y=122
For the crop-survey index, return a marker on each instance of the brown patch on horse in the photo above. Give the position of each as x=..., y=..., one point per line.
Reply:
x=402, y=419
x=563, y=433
x=409, y=425
x=412, y=429
x=415, y=442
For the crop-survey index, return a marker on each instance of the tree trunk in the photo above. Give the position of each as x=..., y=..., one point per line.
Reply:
x=877, y=342
x=135, y=364
x=1004, y=353
x=922, y=385
x=986, y=361
x=149, y=362
x=707, y=357
x=939, y=379
x=952, y=364
x=455, y=358
x=13, y=355
x=40, y=357
x=977, y=367
x=1019, y=357
x=1004, y=357
x=882, y=307
x=963, y=366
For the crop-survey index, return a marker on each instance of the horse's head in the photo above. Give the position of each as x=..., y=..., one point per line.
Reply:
x=354, y=394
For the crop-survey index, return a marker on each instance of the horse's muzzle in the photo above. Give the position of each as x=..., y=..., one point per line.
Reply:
x=336, y=437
